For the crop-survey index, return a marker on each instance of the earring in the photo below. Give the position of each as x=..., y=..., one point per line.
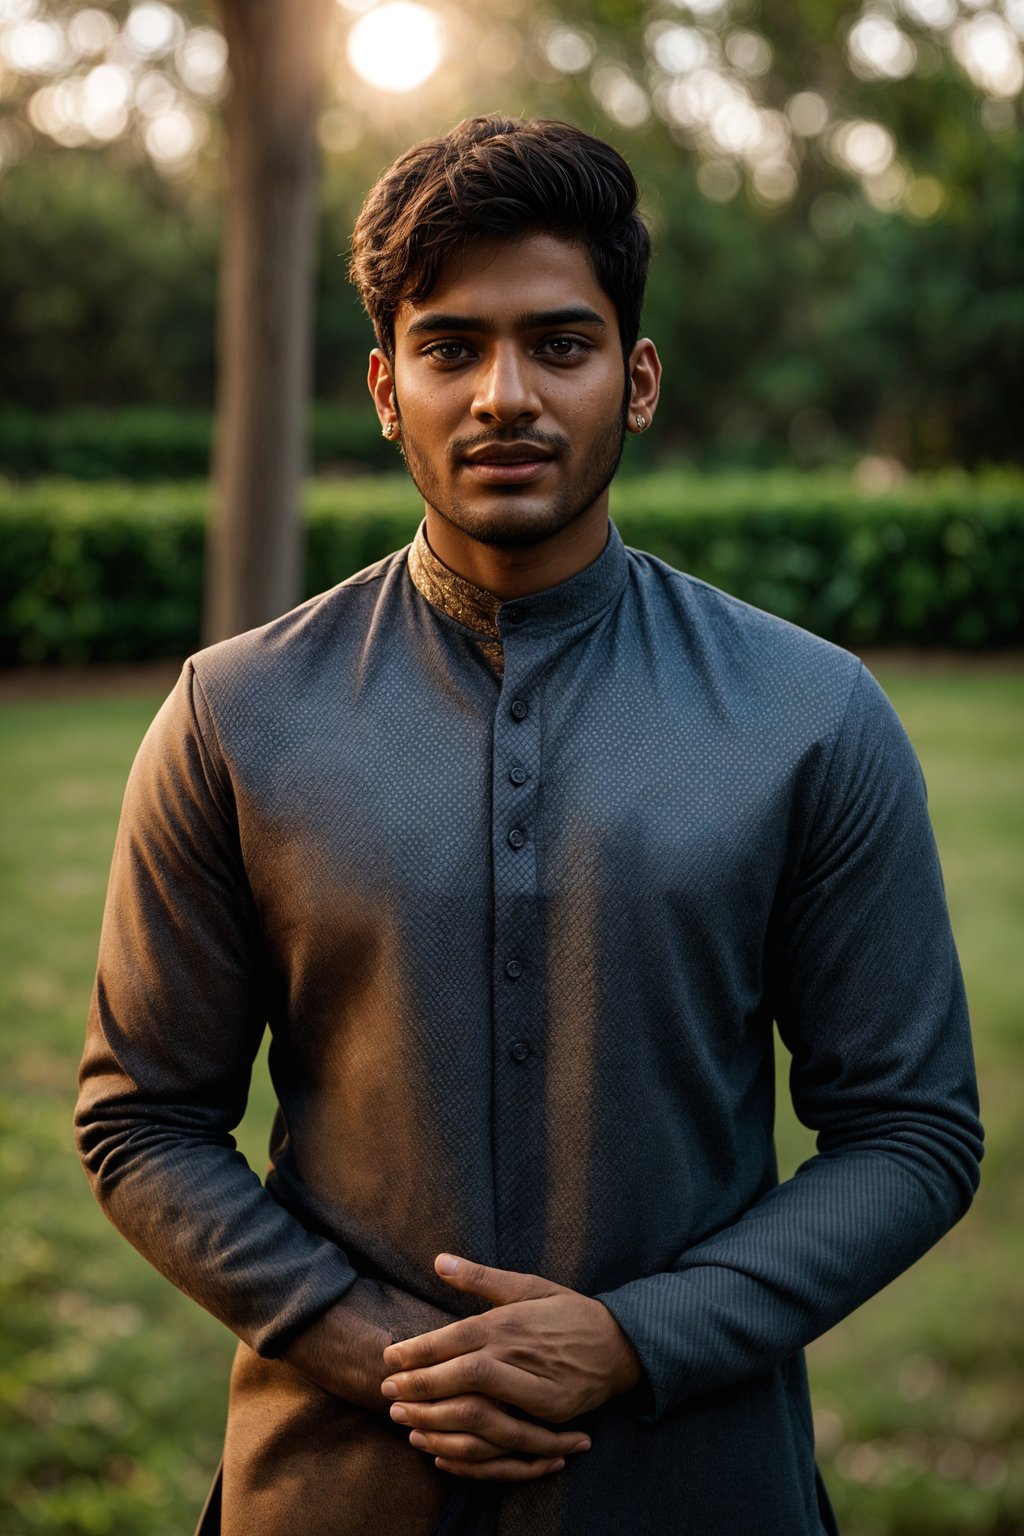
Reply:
x=641, y=422
x=388, y=430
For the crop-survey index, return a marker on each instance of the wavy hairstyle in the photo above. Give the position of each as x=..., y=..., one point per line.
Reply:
x=499, y=178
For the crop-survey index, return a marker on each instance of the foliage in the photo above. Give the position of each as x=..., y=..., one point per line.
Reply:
x=784, y=341
x=114, y=1386
x=107, y=287
x=113, y=572
x=153, y=442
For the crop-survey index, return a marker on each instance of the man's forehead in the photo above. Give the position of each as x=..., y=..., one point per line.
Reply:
x=511, y=281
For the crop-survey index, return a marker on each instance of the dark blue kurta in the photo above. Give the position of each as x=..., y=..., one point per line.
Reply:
x=520, y=940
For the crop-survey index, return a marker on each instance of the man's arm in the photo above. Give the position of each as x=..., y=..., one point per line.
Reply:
x=867, y=992
x=177, y=1015
x=868, y=995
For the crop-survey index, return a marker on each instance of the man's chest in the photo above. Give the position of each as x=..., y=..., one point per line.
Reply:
x=603, y=791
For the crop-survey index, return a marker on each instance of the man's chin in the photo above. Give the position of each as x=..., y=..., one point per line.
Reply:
x=508, y=522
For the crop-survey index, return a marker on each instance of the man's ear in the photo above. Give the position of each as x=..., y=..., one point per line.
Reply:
x=380, y=380
x=645, y=385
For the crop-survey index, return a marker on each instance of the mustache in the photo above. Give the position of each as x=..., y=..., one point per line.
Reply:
x=553, y=442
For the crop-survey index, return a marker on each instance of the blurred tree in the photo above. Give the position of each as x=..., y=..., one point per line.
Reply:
x=107, y=285
x=277, y=56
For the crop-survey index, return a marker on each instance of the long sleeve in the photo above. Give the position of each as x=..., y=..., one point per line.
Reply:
x=177, y=1015
x=865, y=985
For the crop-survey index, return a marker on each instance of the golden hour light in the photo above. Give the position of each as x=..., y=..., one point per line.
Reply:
x=396, y=46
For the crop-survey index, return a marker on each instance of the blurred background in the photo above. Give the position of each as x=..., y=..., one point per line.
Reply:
x=836, y=198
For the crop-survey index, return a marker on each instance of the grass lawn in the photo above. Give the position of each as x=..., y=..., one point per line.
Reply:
x=113, y=1386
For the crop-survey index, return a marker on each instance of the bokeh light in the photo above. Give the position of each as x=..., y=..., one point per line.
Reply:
x=879, y=50
x=678, y=50
x=706, y=70
x=152, y=29
x=807, y=113
x=202, y=61
x=863, y=147
x=568, y=50
x=91, y=32
x=397, y=46
x=35, y=47
x=620, y=96
x=749, y=52
x=988, y=50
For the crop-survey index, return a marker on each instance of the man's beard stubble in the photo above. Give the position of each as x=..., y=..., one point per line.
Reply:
x=512, y=530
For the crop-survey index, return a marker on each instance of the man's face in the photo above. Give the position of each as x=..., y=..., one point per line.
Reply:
x=510, y=390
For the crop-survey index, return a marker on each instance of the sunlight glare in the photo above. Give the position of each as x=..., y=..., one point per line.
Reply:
x=397, y=46
x=990, y=53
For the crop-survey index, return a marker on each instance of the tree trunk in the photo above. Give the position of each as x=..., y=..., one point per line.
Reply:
x=276, y=55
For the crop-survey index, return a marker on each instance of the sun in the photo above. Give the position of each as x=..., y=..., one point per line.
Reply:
x=396, y=46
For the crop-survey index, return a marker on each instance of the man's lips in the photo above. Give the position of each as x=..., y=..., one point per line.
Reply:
x=513, y=473
x=507, y=464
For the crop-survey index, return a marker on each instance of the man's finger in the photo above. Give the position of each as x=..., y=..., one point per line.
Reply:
x=479, y=1418
x=478, y=1372
x=503, y=1471
x=495, y=1285
x=431, y=1348
x=456, y=1447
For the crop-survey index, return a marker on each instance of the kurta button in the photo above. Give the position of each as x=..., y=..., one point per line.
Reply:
x=520, y=709
x=518, y=775
x=517, y=837
x=519, y=1051
x=514, y=615
x=513, y=969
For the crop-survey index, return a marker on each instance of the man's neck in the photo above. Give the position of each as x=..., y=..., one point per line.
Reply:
x=518, y=572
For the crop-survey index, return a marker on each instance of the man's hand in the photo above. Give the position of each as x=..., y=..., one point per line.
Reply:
x=543, y=1348
x=473, y=1436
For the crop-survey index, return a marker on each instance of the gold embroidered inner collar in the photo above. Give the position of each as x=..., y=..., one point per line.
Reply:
x=458, y=598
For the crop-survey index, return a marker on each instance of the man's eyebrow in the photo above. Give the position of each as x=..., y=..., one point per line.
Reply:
x=531, y=320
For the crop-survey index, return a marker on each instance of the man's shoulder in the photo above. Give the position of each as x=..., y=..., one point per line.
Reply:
x=278, y=653
x=731, y=632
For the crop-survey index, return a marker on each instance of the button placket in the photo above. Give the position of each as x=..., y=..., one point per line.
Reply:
x=518, y=1113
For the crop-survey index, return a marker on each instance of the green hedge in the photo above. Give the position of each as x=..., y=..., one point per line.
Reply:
x=113, y=572
x=150, y=443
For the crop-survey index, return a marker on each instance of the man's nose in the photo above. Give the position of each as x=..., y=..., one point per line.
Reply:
x=506, y=388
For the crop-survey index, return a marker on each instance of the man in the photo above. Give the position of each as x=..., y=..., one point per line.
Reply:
x=520, y=841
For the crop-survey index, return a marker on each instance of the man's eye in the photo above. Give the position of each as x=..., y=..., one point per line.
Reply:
x=567, y=346
x=446, y=351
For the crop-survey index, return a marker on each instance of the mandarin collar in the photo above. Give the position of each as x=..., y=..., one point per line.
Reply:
x=571, y=602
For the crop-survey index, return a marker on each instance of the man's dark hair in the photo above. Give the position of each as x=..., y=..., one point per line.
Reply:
x=499, y=178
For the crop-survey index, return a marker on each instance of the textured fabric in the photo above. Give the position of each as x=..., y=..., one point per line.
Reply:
x=458, y=598
x=520, y=941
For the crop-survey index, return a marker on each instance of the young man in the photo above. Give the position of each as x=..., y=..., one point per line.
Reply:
x=520, y=841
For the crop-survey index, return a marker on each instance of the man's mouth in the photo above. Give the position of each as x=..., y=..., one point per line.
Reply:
x=507, y=463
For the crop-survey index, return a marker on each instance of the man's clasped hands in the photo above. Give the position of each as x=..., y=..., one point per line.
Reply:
x=542, y=1348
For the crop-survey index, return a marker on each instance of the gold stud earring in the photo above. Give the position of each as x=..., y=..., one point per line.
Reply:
x=388, y=430
x=641, y=422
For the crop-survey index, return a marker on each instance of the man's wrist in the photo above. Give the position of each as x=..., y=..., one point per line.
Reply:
x=625, y=1367
x=343, y=1353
